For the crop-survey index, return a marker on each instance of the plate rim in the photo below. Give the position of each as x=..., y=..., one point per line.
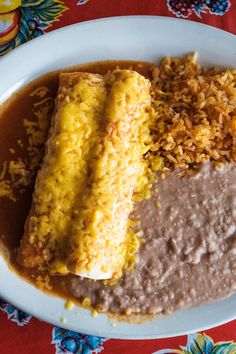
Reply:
x=22, y=47
x=111, y=335
x=111, y=18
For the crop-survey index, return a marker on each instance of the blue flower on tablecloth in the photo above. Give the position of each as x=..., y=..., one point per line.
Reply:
x=185, y=8
x=82, y=2
x=15, y=315
x=202, y=344
x=68, y=342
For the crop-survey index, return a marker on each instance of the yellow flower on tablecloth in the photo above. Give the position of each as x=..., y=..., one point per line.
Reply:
x=22, y=20
x=9, y=26
x=9, y=5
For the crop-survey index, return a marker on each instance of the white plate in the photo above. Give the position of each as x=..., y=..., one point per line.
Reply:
x=134, y=38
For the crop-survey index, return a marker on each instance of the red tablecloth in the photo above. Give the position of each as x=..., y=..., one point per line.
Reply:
x=22, y=20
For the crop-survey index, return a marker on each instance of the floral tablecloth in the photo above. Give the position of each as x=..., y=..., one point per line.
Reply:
x=23, y=20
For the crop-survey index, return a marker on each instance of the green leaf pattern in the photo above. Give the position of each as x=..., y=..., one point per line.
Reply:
x=202, y=344
x=43, y=11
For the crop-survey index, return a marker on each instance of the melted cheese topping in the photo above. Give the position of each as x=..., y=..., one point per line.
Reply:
x=64, y=171
x=99, y=234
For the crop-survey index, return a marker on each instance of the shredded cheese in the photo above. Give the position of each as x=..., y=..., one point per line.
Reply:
x=17, y=174
x=99, y=236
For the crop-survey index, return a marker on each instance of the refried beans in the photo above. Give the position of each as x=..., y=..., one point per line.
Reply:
x=189, y=254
